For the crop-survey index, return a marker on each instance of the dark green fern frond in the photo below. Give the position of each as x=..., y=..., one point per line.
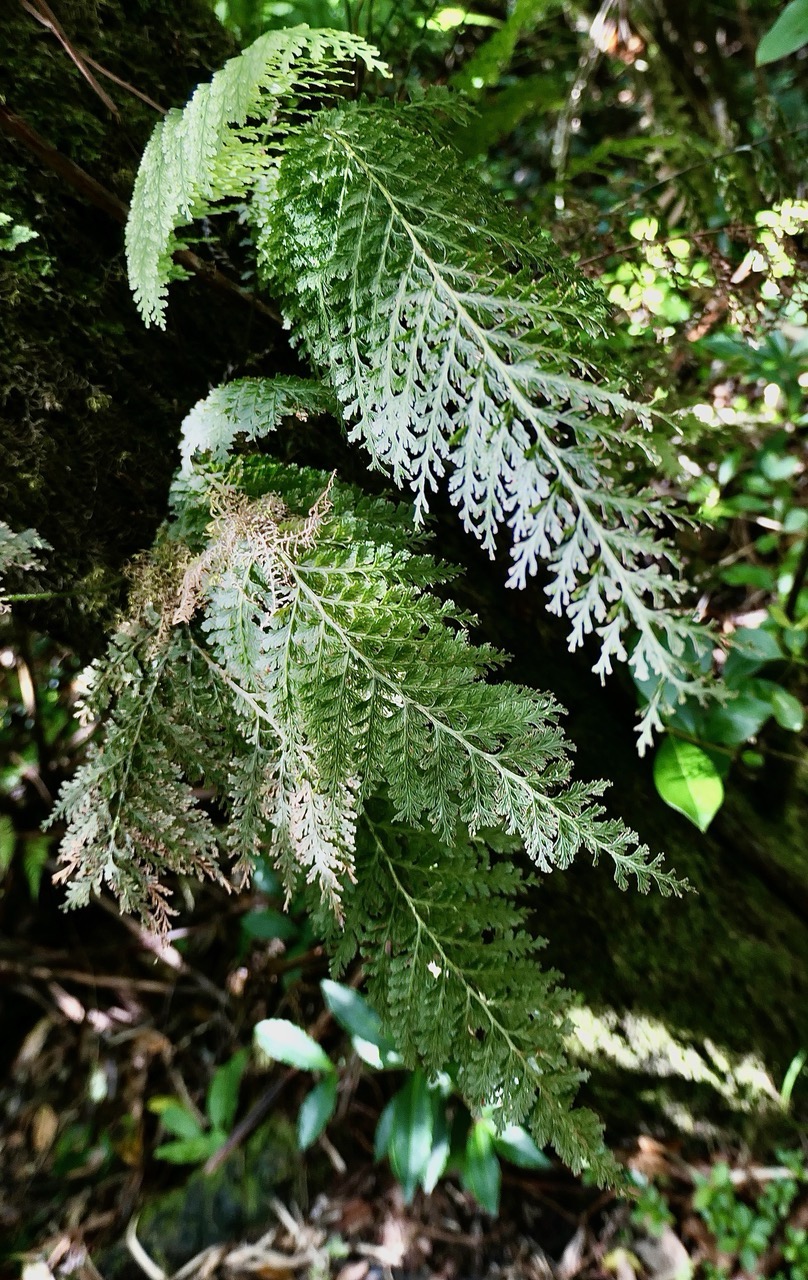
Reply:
x=469, y=993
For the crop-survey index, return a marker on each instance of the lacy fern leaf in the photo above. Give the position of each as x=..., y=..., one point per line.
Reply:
x=220, y=146
x=369, y=680
x=131, y=814
x=458, y=344
x=474, y=996
x=248, y=409
x=18, y=551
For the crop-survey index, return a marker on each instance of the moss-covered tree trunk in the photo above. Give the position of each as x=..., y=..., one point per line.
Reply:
x=90, y=407
x=90, y=402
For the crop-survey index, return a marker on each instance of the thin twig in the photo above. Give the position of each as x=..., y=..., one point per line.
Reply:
x=43, y=13
x=79, y=57
x=167, y=954
x=44, y=974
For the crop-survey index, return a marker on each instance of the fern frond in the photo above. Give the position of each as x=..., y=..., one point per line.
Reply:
x=474, y=996
x=220, y=145
x=131, y=813
x=248, y=408
x=338, y=674
x=366, y=679
x=288, y=656
x=18, y=551
x=460, y=345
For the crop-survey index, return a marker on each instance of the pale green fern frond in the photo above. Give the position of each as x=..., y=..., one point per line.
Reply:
x=325, y=624
x=221, y=144
x=18, y=551
x=460, y=346
x=249, y=409
x=131, y=814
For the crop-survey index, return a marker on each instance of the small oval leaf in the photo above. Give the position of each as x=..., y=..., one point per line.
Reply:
x=788, y=710
x=352, y=1011
x=515, y=1144
x=481, y=1174
x=179, y=1121
x=789, y=33
x=688, y=781
x=287, y=1043
x=316, y=1110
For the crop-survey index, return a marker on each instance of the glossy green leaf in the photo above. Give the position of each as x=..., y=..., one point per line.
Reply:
x=741, y=716
x=352, y=1011
x=441, y=1145
x=316, y=1111
x=178, y=1119
x=355, y=1015
x=515, y=1144
x=384, y=1131
x=750, y=649
x=789, y=33
x=222, y=1099
x=379, y=1057
x=688, y=781
x=788, y=710
x=481, y=1174
x=287, y=1043
x=410, y=1144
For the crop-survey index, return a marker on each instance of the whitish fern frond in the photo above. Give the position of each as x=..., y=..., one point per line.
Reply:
x=222, y=143
x=249, y=409
x=474, y=996
x=18, y=551
x=131, y=813
x=460, y=345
